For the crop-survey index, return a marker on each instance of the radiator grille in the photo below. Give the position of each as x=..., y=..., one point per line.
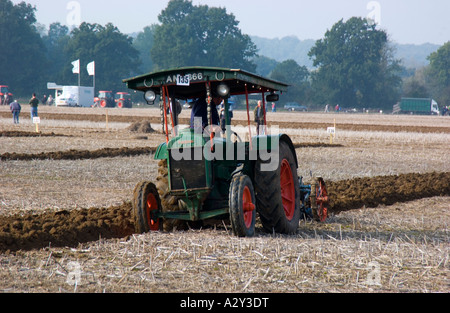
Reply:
x=191, y=170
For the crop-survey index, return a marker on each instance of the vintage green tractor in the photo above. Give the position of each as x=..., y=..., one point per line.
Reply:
x=207, y=174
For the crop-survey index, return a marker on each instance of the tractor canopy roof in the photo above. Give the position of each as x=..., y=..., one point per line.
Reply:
x=191, y=82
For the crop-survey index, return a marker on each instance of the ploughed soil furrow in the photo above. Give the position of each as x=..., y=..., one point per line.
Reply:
x=112, y=152
x=64, y=228
x=386, y=190
x=8, y=133
x=78, y=154
x=69, y=228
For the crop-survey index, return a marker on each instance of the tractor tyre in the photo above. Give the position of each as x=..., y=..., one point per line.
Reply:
x=242, y=206
x=169, y=203
x=278, y=194
x=146, y=201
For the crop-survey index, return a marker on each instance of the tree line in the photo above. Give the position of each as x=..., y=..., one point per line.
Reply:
x=354, y=65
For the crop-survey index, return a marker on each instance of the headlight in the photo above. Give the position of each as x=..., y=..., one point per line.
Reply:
x=150, y=97
x=223, y=90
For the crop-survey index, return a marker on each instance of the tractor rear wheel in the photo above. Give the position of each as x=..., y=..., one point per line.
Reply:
x=278, y=193
x=242, y=206
x=146, y=202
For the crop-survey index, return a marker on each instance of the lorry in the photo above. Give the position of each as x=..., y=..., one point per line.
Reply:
x=72, y=95
x=206, y=173
x=421, y=106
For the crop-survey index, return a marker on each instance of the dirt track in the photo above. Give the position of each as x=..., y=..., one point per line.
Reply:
x=240, y=121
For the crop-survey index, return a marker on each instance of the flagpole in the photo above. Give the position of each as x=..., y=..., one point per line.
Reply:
x=76, y=70
x=91, y=71
x=79, y=83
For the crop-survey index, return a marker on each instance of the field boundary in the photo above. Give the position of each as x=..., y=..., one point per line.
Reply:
x=240, y=122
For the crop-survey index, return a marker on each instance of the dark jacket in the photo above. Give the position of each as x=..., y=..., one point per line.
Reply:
x=15, y=106
x=200, y=109
x=34, y=102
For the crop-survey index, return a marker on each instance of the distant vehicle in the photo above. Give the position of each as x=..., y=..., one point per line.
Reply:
x=123, y=100
x=6, y=97
x=72, y=95
x=294, y=106
x=446, y=110
x=424, y=106
x=189, y=104
x=105, y=99
x=65, y=102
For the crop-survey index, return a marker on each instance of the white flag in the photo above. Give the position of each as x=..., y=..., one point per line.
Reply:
x=76, y=67
x=91, y=68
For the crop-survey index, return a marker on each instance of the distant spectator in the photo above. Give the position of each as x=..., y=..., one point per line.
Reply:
x=15, y=110
x=259, y=117
x=34, y=103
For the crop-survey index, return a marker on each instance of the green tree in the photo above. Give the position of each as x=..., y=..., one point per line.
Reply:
x=439, y=74
x=355, y=66
x=114, y=55
x=55, y=42
x=143, y=43
x=200, y=36
x=22, y=56
x=264, y=65
x=413, y=88
x=296, y=76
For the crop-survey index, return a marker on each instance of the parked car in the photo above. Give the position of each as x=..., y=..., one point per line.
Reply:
x=62, y=101
x=294, y=106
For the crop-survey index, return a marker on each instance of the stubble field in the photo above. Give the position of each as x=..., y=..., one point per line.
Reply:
x=65, y=212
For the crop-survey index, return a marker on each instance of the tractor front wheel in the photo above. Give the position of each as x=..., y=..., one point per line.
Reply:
x=242, y=206
x=146, y=203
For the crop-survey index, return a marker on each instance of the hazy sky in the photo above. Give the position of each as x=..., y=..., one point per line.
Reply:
x=406, y=21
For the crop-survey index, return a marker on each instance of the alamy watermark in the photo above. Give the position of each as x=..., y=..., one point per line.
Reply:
x=73, y=18
x=264, y=148
x=374, y=274
x=374, y=16
x=74, y=275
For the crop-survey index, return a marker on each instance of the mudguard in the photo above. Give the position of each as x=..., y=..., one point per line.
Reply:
x=161, y=153
x=268, y=143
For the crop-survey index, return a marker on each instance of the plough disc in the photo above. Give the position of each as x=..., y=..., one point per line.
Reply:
x=321, y=200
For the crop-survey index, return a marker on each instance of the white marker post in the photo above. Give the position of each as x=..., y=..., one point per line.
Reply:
x=37, y=121
x=332, y=132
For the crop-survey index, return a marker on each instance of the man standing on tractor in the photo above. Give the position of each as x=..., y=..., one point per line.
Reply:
x=200, y=109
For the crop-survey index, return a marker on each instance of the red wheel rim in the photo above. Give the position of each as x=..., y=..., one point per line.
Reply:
x=103, y=104
x=248, y=207
x=152, y=205
x=287, y=189
x=120, y=105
